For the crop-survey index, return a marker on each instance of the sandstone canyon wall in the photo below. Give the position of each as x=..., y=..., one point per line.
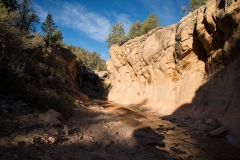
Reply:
x=189, y=68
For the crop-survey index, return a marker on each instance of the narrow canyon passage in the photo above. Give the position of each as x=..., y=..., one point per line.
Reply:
x=105, y=130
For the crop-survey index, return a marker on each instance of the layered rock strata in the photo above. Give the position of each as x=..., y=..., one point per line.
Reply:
x=189, y=68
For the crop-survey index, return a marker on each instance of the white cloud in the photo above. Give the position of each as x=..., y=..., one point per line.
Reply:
x=77, y=17
x=42, y=14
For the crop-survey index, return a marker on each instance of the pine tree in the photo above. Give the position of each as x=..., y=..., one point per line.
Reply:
x=117, y=35
x=193, y=5
x=52, y=34
x=150, y=23
x=12, y=5
x=135, y=30
x=28, y=17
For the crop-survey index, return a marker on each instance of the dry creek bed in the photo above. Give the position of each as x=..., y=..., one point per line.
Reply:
x=101, y=130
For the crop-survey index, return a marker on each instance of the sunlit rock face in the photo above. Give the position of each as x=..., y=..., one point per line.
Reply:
x=189, y=68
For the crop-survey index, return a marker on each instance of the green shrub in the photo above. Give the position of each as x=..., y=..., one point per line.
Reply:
x=42, y=100
x=117, y=35
x=193, y=5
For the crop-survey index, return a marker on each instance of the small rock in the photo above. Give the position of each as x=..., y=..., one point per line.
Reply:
x=81, y=102
x=218, y=131
x=66, y=130
x=77, y=102
x=21, y=127
x=211, y=121
x=102, y=74
x=55, y=114
x=53, y=118
x=15, y=156
x=30, y=141
x=52, y=139
x=106, y=143
x=4, y=111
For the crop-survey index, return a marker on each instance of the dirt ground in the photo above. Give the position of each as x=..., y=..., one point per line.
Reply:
x=104, y=130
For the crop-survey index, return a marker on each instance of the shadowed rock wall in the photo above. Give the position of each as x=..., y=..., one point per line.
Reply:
x=79, y=80
x=189, y=68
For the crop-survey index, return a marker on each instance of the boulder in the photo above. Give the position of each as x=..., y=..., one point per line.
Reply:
x=102, y=74
x=53, y=118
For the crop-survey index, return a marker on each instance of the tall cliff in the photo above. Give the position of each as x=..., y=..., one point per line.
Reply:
x=189, y=68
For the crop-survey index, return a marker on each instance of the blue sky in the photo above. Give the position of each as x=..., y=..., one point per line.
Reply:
x=87, y=23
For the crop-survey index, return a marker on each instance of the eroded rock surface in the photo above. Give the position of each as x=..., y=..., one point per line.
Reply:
x=189, y=68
